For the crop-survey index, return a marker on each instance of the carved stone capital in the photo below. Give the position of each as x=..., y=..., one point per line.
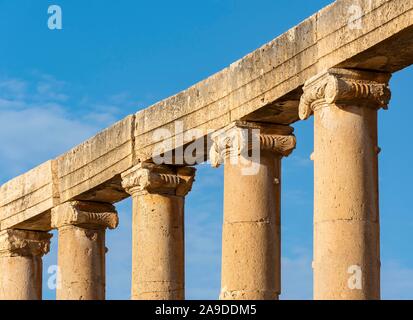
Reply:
x=86, y=214
x=161, y=179
x=343, y=88
x=18, y=243
x=241, y=137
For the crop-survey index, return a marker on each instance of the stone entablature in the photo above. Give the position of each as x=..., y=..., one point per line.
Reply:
x=30, y=196
x=263, y=86
x=258, y=96
x=95, y=162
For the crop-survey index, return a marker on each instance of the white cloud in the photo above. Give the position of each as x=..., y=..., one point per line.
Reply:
x=36, y=122
x=34, y=134
x=13, y=88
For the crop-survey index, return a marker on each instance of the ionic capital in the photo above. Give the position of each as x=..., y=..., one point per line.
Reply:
x=241, y=137
x=14, y=243
x=87, y=214
x=147, y=178
x=344, y=87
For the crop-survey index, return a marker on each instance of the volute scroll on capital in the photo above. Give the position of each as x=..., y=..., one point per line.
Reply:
x=147, y=178
x=14, y=242
x=344, y=87
x=239, y=138
x=87, y=214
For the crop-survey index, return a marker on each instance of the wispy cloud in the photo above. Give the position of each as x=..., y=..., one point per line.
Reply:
x=12, y=88
x=48, y=88
x=109, y=109
x=39, y=120
x=34, y=134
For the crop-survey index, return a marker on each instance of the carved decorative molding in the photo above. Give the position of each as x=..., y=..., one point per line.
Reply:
x=14, y=243
x=239, y=138
x=86, y=214
x=344, y=87
x=161, y=179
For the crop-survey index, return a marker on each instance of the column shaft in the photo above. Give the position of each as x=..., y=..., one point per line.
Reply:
x=251, y=238
x=346, y=210
x=81, y=251
x=346, y=213
x=81, y=259
x=21, y=278
x=158, y=247
x=251, y=265
x=21, y=264
x=158, y=194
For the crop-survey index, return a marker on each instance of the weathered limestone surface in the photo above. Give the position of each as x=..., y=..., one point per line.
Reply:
x=158, y=268
x=251, y=238
x=21, y=264
x=346, y=207
x=97, y=161
x=266, y=84
x=27, y=196
x=263, y=86
x=81, y=248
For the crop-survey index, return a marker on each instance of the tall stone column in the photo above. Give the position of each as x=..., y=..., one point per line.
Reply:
x=81, y=250
x=251, y=246
x=21, y=264
x=346, y=211
x=158, y=194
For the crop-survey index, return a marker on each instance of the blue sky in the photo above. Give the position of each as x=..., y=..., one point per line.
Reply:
x=113, y=58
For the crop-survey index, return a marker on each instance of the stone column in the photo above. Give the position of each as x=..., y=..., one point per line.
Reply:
x=21, y=264
x=158, y=194
x=251, y=248
x=81, y=250
x=346, y=211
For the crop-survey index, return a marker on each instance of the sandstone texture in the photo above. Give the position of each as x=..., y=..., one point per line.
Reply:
x=26, y=200
x=81, y=248
x=346, y=204
x=265, y=85
x=333, y=66
x=21, y=264
x=251, y=238
x=158, y=267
